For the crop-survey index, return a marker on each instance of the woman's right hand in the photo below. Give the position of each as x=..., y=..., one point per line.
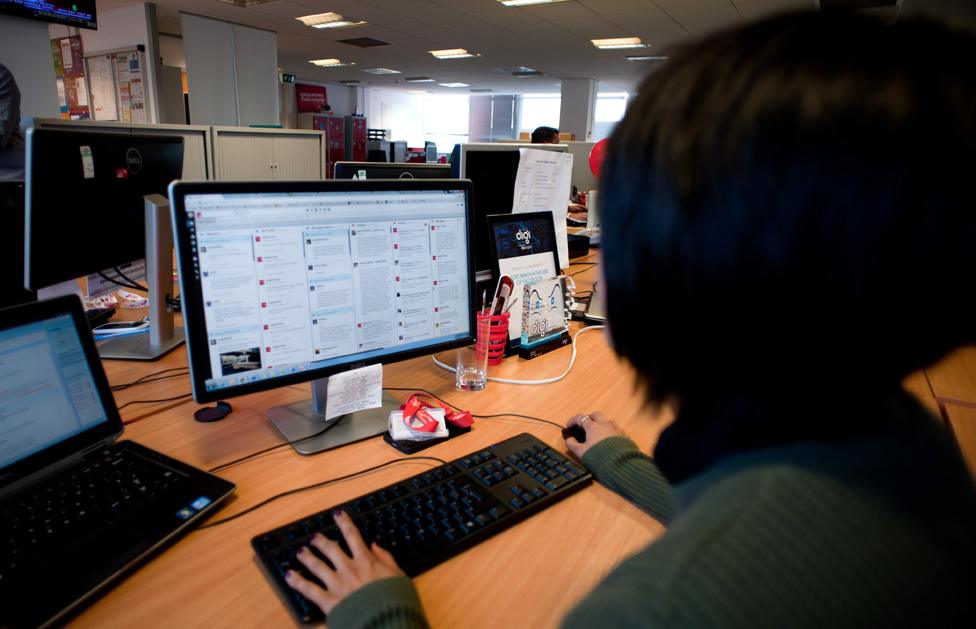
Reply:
x=597, y=428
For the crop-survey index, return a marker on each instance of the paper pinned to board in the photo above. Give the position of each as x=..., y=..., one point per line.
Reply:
x=544, y=182
x=355, y=390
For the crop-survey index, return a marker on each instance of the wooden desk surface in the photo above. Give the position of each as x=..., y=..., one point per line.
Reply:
x=527, y=576
x=953, y=379
x=962, y=420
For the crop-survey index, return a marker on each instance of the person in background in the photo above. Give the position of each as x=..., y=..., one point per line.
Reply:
x=11, y=194
x=11, y=138
x=545, y=135
x=549, y=135
x=787, y=201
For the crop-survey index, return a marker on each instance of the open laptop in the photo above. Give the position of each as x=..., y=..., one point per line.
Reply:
x=77, y=507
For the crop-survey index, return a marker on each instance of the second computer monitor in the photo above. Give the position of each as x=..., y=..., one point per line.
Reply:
x=84, y=199
x=407, y=170
x=492, y=168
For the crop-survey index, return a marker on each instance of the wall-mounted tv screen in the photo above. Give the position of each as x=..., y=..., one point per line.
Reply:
x=71, y=12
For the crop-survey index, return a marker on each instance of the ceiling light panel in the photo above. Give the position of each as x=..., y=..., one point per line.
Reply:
x=454, y=85
x=617, y=43
x=328, y=20
x=453, y=53
x=525, y=3
x=330, y=63
x=382, y=71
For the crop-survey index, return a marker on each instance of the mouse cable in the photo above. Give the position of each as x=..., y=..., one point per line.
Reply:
x=168, y=399
x=589, y=268
x=582, y=262
x=323, y=483
x=572, y=361
x=151, y=378
x=495, y=416
x=248, y=457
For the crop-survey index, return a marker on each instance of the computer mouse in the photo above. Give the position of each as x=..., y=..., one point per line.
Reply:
x=575, y=431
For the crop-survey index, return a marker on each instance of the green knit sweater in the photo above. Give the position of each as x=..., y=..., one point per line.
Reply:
x=875, y=531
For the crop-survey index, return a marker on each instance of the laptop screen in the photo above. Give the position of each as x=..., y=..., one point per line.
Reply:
x=47, y=391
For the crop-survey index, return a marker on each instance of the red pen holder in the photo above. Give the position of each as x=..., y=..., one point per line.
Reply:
x=497, y=336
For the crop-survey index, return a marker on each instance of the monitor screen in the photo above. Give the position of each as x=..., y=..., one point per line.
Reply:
x=85, y=210
x=73, y=13
x=370, y=170
x=292, y=281
x=492, y=168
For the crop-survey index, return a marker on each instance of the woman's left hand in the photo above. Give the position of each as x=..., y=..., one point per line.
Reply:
x=367, y=564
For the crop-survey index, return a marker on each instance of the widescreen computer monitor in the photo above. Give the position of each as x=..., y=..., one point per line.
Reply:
x=290, y=282
x=85, y=209
x=406, y=170
x=492, y=168
x=88, y=199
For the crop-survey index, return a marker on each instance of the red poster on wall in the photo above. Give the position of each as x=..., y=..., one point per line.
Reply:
x=310, y=98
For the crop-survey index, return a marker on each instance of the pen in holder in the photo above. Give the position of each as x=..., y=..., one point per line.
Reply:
x=497, y=336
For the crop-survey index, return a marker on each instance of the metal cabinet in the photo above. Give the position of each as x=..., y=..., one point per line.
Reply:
x=248, y=154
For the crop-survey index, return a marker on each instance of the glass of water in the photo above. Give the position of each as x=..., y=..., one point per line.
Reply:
x=472, y=362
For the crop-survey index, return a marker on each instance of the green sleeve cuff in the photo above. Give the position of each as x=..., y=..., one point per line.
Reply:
x=618, y=464
x=604, y=457
x=387, y=603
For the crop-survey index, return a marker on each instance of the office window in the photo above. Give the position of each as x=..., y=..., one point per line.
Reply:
x=494, y=117
x=445, y=120
x=539, y=110
x=610, y=108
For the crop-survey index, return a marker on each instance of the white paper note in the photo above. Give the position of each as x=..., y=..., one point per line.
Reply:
x=355, y=390
x=544, y=183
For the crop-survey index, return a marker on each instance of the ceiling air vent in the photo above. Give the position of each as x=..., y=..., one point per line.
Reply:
x=363, y=42
x=247, y=3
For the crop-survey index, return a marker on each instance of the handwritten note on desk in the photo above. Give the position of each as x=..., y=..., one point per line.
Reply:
x=355, y=390
x=543, y=183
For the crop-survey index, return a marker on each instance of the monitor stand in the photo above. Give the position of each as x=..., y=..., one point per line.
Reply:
x=298, y=422
x=163, y=335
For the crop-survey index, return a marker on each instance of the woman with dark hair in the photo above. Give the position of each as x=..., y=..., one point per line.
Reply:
x=784, y=206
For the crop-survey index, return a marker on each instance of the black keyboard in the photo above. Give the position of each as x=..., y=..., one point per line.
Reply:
x=57, y=515
x=431, y=517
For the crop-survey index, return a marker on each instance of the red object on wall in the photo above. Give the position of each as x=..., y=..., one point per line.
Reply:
x=310, y=98
x=356, y=138
x=335, y=140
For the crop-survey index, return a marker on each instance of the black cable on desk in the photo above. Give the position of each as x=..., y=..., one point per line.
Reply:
x=315, y=486
x=250, y=456
x=169, y=399
x=119, y=283
x=589, y=268
x=132, y=283
x=269, y=449
x=146, y=378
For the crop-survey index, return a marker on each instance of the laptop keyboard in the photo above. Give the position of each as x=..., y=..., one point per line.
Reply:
x=108, y=489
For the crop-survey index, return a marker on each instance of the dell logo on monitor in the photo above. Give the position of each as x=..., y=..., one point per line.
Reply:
x=133, y=160
x=523, y=235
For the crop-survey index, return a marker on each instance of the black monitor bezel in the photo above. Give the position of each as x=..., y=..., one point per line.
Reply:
x=198, y=355
x=404, y=166
x=96, y=436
